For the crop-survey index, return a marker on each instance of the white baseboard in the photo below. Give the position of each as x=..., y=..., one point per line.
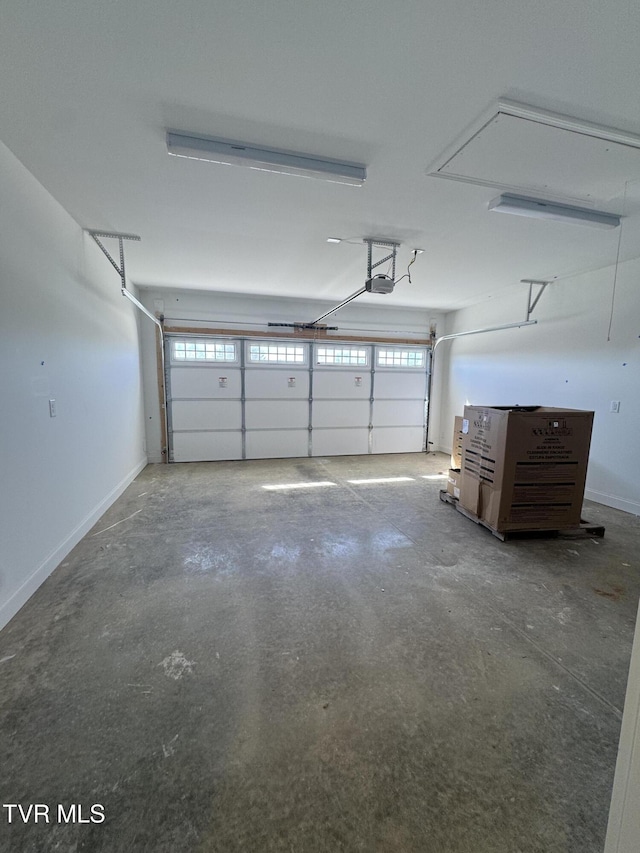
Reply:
x=10, y=607
x=611, y=500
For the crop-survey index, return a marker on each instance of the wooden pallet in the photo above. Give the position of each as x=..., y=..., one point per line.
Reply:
x=583, y=529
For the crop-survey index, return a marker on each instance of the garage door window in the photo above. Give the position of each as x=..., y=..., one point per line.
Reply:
x=342, y=355
x=277, y=354
x=204, y=351
x=400, y=358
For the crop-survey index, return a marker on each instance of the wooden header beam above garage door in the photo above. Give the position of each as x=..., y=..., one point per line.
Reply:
x=305, y=334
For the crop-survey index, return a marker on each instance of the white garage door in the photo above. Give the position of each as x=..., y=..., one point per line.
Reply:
x=341, y=410
x=256, y=399
x=204, y=399
x=276, y=399
x=399, y=399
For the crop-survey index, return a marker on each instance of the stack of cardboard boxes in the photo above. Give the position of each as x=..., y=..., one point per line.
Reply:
x=522, y=468
x=453, y=481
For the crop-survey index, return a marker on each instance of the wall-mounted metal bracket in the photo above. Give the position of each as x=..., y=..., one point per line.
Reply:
x=98, y=235
x=531, y=282
x=381, y=244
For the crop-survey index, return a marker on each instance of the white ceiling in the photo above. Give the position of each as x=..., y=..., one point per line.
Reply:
x=87, y=91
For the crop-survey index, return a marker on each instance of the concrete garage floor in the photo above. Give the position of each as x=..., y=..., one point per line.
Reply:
x=345, y=668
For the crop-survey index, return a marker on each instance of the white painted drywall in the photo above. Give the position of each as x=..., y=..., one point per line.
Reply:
x=566, y=360
x=198, y=308
x=66, y=333
x=623, y=832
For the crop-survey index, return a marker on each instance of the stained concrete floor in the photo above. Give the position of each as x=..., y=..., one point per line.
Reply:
x=354, y=667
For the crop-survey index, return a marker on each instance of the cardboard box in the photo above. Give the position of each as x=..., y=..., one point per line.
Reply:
x=453, y=481
x=524, y=468
x=456, y=443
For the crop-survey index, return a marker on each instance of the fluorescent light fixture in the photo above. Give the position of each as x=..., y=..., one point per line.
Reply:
x=537, y=208
x=435, y=476
x=381, y=480
x=334, y=239
x=281, y=486
x=230, y=153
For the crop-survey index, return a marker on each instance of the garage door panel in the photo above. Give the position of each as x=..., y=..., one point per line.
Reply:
x=342, y=383
x=398, y=413
x=396, y=384
x=206, y=446
x=271, y=414
x=262, y=382
x=340, y=442
x=206, y=414
x=398, y=439
x=204, y=382
x=277, y=444
x=340, y=413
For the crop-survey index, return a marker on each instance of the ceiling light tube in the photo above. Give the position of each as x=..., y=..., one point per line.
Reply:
x=230, y=153
x=536, y=208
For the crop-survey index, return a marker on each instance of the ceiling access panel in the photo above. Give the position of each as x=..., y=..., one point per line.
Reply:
x=521, y=148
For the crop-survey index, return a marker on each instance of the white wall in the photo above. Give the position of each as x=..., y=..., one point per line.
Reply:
x=565, y=360
x=623, y=833
x=66, y=333
x=193, y=308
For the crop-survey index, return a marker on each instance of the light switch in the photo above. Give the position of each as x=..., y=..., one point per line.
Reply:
x=615, y=406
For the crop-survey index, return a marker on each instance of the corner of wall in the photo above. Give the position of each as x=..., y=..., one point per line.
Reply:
x=9, y=608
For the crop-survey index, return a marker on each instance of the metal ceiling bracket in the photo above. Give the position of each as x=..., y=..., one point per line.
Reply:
x=531, y=282
x=98, y=235
x=371, y=242
x=382, y=244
